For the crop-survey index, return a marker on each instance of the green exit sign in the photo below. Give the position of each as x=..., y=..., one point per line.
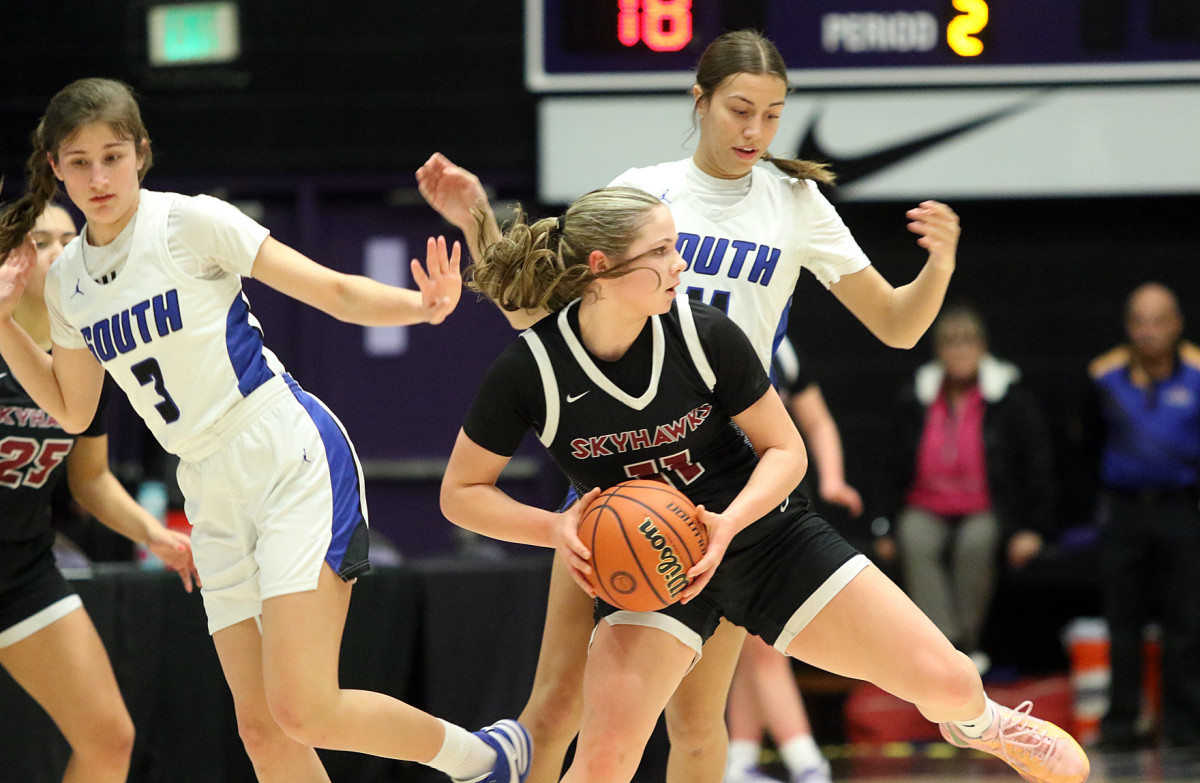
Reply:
x=193, y=33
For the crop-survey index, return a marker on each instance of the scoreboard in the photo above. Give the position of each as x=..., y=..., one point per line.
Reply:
x=653, y=45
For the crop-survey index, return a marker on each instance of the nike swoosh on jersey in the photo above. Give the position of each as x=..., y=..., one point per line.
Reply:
x=852, y=169
x=573, y=397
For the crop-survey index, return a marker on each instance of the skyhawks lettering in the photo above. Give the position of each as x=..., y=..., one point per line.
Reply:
x=27, y=417
x=119, y=334
x=632, y=440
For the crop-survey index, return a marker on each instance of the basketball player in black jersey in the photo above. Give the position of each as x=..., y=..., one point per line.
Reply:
x=623, y=379
x=47, y=641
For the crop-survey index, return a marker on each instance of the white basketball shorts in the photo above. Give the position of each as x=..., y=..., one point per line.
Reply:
x=275, y=492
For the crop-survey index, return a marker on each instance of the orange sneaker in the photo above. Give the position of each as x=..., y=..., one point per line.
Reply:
x=1037, y=749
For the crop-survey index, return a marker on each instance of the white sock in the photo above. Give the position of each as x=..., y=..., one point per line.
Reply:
x=743, y=754
x=801, y=753
x=976, y=727
x=463, y=755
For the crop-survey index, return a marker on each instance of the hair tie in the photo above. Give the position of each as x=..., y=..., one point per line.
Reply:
x=561, y=223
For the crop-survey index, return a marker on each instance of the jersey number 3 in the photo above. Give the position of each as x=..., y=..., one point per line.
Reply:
x=148, y=372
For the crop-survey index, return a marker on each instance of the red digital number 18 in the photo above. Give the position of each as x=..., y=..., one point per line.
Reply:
x=663, y=25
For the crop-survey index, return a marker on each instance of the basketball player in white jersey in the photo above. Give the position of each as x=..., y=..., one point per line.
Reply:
x=747, y=231
x=624, y=379
x=151, y=294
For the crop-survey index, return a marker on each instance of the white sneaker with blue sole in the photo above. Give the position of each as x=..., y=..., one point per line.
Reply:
x=514, y=751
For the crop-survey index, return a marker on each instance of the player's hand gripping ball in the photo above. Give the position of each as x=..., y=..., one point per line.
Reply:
x=644, y=536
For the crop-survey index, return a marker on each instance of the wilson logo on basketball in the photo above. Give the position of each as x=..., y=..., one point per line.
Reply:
x=668, y=562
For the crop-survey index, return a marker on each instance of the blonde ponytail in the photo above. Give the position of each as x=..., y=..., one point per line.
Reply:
x=544, y=265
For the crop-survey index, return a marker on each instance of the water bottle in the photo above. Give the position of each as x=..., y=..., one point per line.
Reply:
x=152, y=496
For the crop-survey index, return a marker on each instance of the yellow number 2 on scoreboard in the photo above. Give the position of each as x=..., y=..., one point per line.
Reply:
x=961, y=31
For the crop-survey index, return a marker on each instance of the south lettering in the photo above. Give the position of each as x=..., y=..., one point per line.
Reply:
x=124, y=331
x=708, y=256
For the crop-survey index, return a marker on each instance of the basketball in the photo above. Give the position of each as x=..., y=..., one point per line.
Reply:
x=644, y=536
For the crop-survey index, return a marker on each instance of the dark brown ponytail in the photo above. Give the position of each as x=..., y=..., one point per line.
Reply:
x=19, y=218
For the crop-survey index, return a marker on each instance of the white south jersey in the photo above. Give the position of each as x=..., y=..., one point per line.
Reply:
x=185, y=350
x=745, y=258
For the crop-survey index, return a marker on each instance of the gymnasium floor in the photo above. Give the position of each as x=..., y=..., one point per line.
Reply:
x=943, y=764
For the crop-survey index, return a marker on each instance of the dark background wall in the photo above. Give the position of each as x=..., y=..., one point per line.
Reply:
x=332, y=107
x=350, y=86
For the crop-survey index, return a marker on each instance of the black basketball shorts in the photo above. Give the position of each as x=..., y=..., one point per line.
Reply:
x=772, y=581
x=33, y=594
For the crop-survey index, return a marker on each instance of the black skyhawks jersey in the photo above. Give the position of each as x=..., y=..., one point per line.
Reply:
x=663, y=409
x=32, y=447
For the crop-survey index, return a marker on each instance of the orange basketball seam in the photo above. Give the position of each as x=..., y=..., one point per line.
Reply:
x=598, y=582
x=594, y=511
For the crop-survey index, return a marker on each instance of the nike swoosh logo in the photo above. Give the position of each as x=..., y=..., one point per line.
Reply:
x=853, y=169
x=573, y=397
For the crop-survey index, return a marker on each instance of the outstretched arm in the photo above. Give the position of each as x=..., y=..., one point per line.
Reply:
x=899, y=316
x=66, y=383
x=96, y=489
x=458, y=196
x=361, y=300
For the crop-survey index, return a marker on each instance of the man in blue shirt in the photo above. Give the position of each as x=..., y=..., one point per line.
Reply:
x=1149, y=400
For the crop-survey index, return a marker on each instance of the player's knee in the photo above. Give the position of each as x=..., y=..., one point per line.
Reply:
x=952, y=680
x=553, y=712
x=697, y=734
x=107, y=743
x=302, y=720
x=262, y=738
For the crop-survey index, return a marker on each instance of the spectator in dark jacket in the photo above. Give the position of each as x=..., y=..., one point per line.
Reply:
x=970, y=476
x=1145, y=436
